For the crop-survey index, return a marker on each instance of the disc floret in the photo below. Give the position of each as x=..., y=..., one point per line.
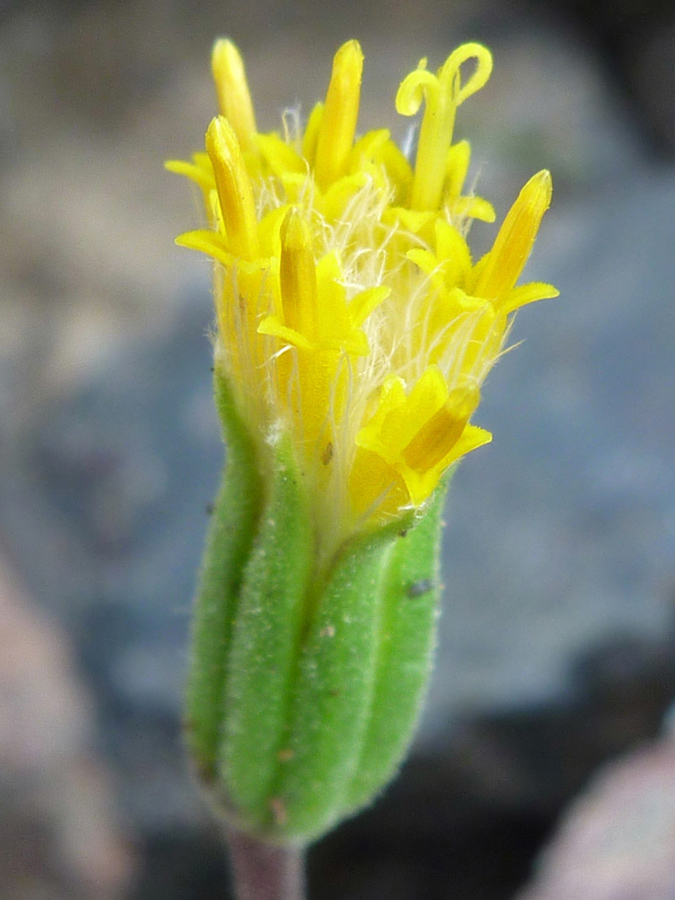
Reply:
x=350, y=312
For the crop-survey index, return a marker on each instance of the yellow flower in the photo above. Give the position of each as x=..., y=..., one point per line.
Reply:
x=350, y=312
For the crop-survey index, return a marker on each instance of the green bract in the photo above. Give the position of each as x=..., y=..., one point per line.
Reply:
x=305, y=685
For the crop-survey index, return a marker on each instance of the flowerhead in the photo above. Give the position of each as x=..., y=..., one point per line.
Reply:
x=350, y=312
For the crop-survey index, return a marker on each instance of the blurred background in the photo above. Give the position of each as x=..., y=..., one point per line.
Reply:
x=556, y=650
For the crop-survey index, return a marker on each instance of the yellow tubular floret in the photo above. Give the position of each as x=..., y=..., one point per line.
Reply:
x=234, y=97
x=350, y=311
x=235, y=192
x=442, y=94
x=340, y=114
x=438, y=436
x=516, y=237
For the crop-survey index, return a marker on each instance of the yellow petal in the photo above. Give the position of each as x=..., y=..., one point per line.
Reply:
x=273, y=326
x=473, y=208
x=199, y=174
x=311, y=135
x=363, y=304
x=457, y=166
x=209, y=242
x=528, y=293
x=280, y=156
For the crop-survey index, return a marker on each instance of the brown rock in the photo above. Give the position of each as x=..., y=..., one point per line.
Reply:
x=58, y=835
x=617, y=841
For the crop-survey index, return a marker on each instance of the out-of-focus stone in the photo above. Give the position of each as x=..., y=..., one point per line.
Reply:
x=58, y=836
x=617, y=842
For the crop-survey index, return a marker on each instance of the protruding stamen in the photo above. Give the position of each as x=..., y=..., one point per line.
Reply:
x=442, y=94
x=514, y=242
x=338, y=126
x=234, y=97
x=235, y=192
x=297, y=273
x=439, y=435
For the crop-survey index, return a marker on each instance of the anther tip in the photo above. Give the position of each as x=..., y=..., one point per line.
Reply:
x=220, y=135
x=225, y=50
x=350, y=53
x=539, y=189
x=294, y=231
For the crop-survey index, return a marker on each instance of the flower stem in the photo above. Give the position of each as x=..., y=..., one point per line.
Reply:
x=265, y=871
